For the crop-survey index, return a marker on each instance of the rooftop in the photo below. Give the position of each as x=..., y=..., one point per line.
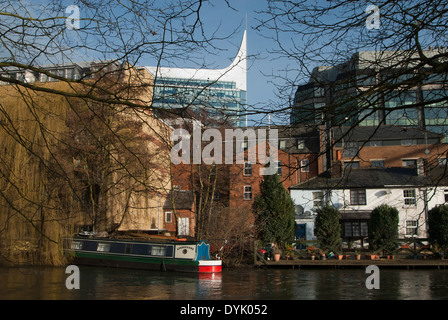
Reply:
x=372, y=178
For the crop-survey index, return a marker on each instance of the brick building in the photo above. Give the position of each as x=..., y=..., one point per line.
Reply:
x=387, y=146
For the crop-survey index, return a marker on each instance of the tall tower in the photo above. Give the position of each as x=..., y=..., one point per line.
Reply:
x=219, y=93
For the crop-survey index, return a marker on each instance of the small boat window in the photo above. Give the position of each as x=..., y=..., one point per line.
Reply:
x=76, y=245
x=103, y=247
x=157, y=250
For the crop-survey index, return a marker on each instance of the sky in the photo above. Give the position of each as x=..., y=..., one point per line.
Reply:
x=216, y=16
x=261, y=86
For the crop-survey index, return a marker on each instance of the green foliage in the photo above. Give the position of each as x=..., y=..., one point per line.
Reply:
x=274, y=212
x=327, y=228
x=383, y=228
x=438, y=226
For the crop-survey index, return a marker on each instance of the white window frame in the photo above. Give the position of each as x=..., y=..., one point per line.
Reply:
x=318, y=199
x=279, y=168
x=168, y=216
x=411, y=225
x=411, y=199
x=305, y=165
x=247, y=192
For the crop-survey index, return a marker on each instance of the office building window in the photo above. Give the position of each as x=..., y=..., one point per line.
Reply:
x=350, y=150
x=247, y=192
x=358, y=197
x=279, y=167
x=409, y=197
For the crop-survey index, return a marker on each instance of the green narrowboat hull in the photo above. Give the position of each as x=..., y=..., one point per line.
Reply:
x=192, y=256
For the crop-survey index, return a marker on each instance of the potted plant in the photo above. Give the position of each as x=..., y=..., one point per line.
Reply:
x=289, y=251
x=357, y=255
x=277, y=253
x=322, y=254
x=339, y=255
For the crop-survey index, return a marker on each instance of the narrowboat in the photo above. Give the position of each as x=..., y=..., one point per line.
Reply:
x=171, y=255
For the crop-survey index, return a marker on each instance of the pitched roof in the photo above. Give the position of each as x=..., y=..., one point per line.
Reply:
x=183, y=200
x=374, y=178
x=384, y=132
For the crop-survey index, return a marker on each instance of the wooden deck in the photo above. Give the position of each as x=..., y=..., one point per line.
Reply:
x=352, y=263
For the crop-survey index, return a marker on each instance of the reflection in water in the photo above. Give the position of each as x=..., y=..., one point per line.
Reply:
x=236, y=284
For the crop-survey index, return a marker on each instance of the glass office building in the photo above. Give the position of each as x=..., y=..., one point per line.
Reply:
x=219, y=94
x=367, y=92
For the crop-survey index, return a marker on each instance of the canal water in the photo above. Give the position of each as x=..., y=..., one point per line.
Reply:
x=49, y=283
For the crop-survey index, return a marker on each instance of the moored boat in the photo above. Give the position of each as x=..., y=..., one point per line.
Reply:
x=172, y=255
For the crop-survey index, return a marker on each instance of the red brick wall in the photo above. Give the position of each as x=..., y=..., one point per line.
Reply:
x=394, y=155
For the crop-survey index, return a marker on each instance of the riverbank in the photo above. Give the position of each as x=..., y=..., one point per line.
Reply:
x=352, y=263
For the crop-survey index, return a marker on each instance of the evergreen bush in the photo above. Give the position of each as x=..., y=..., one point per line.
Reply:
x=274, y=212
x=383, y=228
x=438, y=226
x=327, y=228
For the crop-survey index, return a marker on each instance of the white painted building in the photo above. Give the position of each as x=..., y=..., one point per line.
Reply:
x=357, y=192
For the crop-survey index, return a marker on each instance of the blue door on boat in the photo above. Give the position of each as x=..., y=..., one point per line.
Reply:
x=300, y=234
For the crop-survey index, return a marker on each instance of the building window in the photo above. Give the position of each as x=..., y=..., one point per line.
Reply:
x=244, y=146
x=318, y=199
x=351, y=164
x=352, y=229
x=300, y=144
x=409, y=163
x=377, y=163
x=216, y=196
x=168, y=216
x=358, y=197
x=350, y=150
x=279, y=168
x=445, y=193
x=247, y=169
x=282, y=144
x=408, y=142
x=409, y=197
x=247, y=192
x=305, y=165
x=412, y=228
x=376, y=143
